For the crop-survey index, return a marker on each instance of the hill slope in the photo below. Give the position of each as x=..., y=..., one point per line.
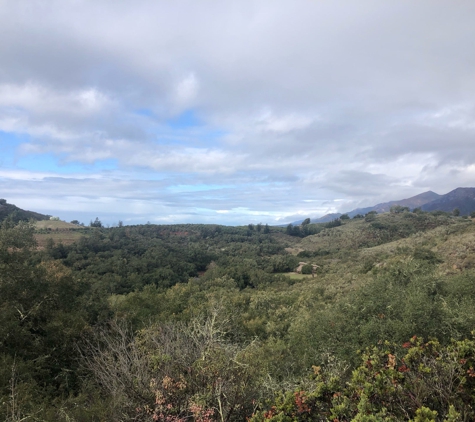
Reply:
x=17, y=214
x=461, y=198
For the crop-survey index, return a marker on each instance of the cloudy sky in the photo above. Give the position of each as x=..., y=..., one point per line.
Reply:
x=232, y=112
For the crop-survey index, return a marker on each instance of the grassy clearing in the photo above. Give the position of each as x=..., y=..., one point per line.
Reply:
x=59, y=231
x=53, y=225
x=296, y=276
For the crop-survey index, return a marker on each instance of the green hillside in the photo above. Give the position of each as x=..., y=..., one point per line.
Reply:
x=17, y=214
x=208, y=322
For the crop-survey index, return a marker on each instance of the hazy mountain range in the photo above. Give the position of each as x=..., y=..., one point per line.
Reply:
x=461, y=198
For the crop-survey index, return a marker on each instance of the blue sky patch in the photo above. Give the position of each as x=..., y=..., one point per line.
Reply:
x=9, y=142
x=185, y=120
x=145, y=112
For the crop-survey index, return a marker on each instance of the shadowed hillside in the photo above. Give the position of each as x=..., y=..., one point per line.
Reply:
x=461, y=198
x=17, y=214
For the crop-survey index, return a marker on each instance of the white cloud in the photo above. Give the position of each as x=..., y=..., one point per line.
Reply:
x=283, y=124
x=186, y=91
x=298, y=103
x=35, y=98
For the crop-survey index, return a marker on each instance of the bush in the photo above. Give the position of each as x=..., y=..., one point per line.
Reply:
x=305, y=254
x=371, y=216
x=397, y=209
x=426, y=255
x=414, y=381
x=333, y=223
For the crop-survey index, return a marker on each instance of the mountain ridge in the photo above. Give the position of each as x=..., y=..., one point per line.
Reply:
x=462, y=198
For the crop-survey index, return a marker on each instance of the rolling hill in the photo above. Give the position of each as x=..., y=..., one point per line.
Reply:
x=18, y=214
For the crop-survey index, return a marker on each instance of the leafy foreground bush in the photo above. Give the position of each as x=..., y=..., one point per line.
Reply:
x=416, y=382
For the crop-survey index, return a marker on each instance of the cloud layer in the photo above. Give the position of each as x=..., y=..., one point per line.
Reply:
x=216, y=112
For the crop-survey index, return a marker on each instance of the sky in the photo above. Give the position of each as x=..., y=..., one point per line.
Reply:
x=232, y=112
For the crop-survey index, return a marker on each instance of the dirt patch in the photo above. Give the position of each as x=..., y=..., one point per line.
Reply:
x=298, y=270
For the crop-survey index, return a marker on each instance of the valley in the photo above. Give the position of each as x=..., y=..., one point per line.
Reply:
x=151, y=322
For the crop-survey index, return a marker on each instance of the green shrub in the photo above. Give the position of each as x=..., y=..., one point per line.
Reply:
x=416, y=381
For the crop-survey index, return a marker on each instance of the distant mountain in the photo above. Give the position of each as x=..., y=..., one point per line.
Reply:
x=327, y=217
x=18, y=214
x=461, y=198
x=413, y=202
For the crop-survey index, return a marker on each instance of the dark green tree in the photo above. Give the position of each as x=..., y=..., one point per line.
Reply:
x=371, y=216
x=397, y=209
x=96, y=223
x=289, y=230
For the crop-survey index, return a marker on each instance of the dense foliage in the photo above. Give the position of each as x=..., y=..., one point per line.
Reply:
x=206, y=322
x=425, y=382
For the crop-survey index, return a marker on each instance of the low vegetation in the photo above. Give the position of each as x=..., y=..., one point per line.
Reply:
x=207, y=322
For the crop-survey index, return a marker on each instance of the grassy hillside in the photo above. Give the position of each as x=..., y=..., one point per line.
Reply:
x=58, y=232
x=56, y=225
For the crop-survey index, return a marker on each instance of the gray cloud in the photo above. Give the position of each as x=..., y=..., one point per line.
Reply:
x=303, y=107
